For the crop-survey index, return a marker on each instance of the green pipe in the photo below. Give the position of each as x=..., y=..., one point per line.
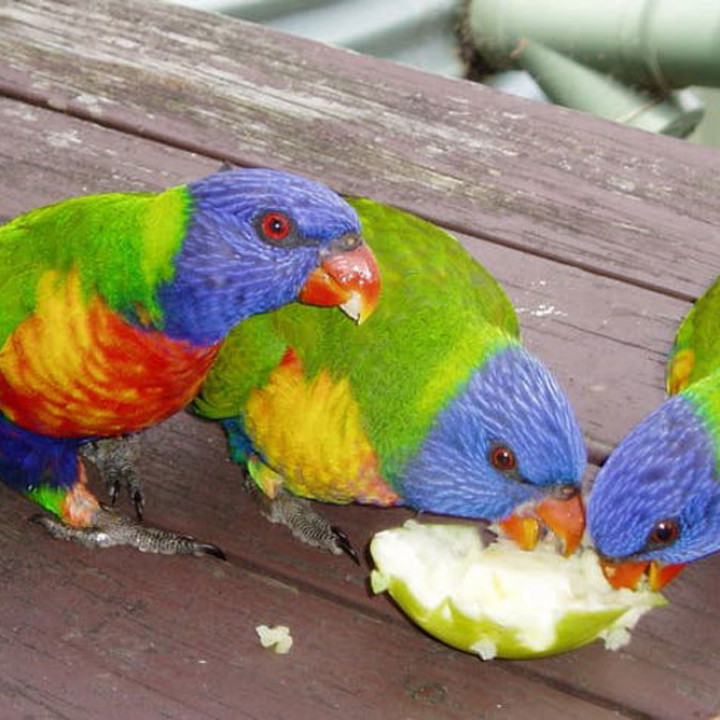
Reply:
x=663, y=43
x=621, y=59
x=575, y=85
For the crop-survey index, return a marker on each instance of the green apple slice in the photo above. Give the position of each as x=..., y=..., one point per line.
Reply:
x=500, y=601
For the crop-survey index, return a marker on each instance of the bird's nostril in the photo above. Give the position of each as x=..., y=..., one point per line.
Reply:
x=565, y=492
x=345, y=243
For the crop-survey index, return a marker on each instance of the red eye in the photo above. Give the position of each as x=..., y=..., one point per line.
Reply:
x=275, y=226
x=503, y=459
x=664, y=532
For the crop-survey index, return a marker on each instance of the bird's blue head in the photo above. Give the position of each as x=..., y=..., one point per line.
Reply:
x=258, y=239
x=508, y=439
x=657, y=498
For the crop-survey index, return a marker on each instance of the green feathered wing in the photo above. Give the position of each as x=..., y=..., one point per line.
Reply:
x=696, y=351
x=121, y=245
x=440, y=315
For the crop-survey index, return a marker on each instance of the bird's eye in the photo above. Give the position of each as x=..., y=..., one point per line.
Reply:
x=275, y=226
x=664, y=532
x=503, y=459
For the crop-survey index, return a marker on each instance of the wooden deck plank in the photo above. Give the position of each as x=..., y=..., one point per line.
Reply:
x=566, y=202
x=551, y=181
x=116, y=634
x=53, y=155
x=570, y=317
x=136, y=614
x=669, y=670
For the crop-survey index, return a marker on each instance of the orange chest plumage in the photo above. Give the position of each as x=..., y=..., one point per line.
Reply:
x=75, y=368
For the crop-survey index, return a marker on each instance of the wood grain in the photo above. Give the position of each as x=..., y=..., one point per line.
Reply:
x=569, y=316
x=668, y=670
x=600, y=234
x=46, y=155
x=552, y=182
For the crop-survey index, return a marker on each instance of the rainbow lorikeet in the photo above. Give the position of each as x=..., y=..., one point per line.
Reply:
x=655, y=504
x=433, y=403
x=113, y=308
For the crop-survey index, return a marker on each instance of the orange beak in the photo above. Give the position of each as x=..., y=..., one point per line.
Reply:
x=565, y=517
x=629, y=574
x=349, y=279
x=523, y=530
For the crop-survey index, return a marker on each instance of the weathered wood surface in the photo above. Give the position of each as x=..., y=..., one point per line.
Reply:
x=135, y=636
x=600, y=234
x=47, y=156
x=540, y=178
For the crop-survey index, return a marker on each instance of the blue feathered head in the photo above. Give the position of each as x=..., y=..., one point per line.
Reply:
x=508, y=437
x=258, y=239
x=657, y=498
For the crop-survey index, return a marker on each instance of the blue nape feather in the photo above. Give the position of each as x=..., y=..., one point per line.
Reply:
x=240, y=445
x=223, y=251
x=512, y=401
x=664, y=469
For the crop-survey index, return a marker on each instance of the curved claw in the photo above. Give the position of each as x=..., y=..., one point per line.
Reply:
x=138, y=500
x=113, y=489
x=116, y=460
x=40, y=519
x=114, y=481
x=343, y=542
x=208, y=549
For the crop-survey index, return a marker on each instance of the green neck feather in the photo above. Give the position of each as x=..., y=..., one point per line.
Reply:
x=705, y=398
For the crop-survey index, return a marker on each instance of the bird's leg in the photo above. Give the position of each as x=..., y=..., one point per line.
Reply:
x=111, y=528
x=116, y=460
x=84, y=520
x=299, y=516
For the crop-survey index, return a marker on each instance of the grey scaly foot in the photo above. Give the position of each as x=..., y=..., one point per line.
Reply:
x=116, y=460
x=111, y=528
x=298, y=515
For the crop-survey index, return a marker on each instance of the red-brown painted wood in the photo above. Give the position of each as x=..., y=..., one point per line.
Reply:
x=555, y=204
x=570, y=317
x=548, y=180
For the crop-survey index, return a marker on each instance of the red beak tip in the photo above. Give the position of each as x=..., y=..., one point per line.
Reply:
x=350, y=280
